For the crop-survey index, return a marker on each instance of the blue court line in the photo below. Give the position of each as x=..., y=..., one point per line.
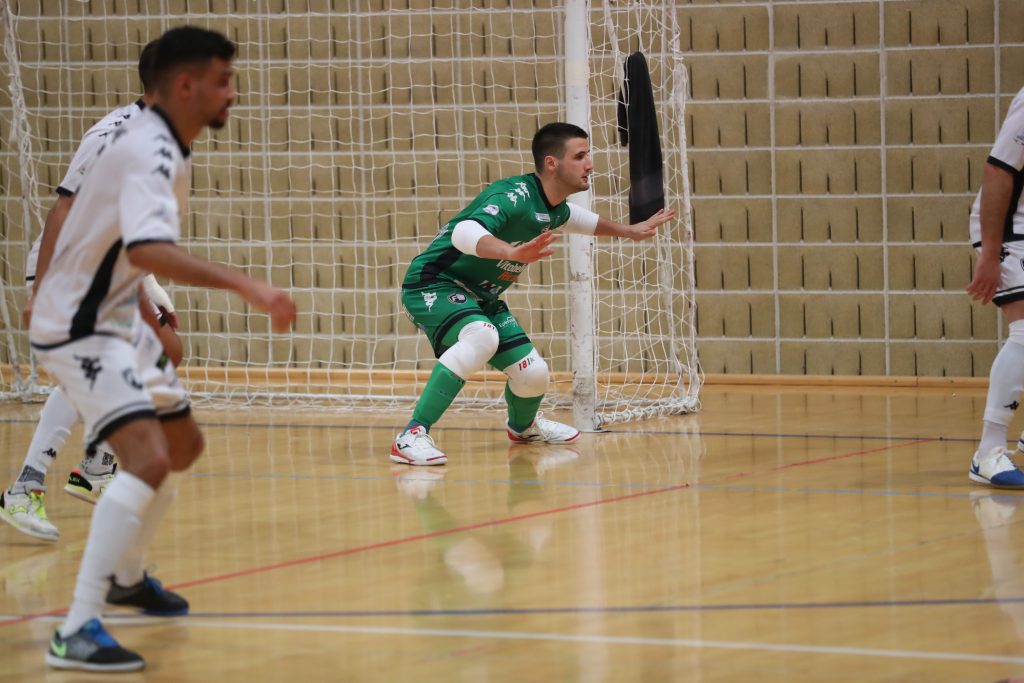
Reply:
x=623, y=609
x=765, y=435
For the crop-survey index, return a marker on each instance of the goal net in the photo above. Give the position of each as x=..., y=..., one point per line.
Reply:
x=361, y=128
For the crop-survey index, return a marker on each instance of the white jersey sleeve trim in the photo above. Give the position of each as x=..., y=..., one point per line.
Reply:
x=581, y=221
x=466, y=235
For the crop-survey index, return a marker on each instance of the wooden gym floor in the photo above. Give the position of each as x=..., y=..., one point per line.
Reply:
x=782, y=534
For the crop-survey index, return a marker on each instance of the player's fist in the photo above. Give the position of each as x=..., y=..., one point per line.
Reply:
x=274, y=302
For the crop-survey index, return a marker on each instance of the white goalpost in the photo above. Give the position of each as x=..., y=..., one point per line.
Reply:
x=360, y=129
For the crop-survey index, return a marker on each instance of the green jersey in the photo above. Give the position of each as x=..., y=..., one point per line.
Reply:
x=514, y=210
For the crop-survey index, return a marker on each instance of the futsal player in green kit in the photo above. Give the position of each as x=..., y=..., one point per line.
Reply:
x=451, y=290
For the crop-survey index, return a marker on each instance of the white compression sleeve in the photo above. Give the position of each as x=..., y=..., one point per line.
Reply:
x=581, y=221
x=465, y=236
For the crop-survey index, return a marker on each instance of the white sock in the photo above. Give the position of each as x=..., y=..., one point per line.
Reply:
x=115, y=523
x=1005, y=383
x=55, y=422
x=132, y=565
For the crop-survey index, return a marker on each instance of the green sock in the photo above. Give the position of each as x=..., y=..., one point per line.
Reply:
x=521, y=411
x=442, y=388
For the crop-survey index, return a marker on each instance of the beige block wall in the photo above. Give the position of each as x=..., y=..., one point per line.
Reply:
x=834, y=150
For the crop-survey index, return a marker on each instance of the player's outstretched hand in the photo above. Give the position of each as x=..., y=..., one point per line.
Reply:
x=535, y=249
x=649, y=228
x=273, y=301
x=985, y=282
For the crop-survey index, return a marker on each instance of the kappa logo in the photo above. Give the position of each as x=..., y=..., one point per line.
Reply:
x=457, y=298
x=492, y=209
x=90, y=366
x=429, y=298
x=1013, y=405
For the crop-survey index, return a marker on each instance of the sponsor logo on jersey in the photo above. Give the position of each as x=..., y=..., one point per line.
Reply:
x=492, y=209
x=542, y=217
x=512, y=266
x=429, y=298
x=457, y=298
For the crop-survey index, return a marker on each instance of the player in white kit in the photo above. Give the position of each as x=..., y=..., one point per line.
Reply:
x=22, y=504
x=87, y=333
x=997, y=232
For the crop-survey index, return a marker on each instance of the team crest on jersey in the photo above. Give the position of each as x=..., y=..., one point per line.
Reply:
x=457, y=298
x=492, y=209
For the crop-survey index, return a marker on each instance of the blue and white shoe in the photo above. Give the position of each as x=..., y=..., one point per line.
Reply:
x=996, y=469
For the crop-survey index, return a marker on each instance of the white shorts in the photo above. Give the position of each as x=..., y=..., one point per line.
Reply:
x=111, y=382
x=1011, y=273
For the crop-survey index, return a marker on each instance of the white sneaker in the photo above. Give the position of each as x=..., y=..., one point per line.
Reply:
x=88, y=487
x=544, y=430
x=996, y=469
x=415, y=447
x=26, y=512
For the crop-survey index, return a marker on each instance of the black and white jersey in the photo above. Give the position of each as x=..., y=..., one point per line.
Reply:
x=1008, y=154
x=88, y=148
x=135, y=193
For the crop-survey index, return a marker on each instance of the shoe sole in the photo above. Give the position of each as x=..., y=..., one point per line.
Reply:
x=518, y=439
x=81, y=494
x=398, y=457
x=978, y=479
x=70, y=664
x=28, y=532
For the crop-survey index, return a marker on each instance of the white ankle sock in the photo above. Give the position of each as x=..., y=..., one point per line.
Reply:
x=115, y=523
x=132, y=565
x=55, y=422
x=1005, y=383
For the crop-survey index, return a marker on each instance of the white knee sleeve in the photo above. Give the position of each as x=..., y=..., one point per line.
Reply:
x=528, y=377
x=477, y=343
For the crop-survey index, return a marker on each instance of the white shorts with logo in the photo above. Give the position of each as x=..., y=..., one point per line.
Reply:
x=112, y=382
x=1011, y=273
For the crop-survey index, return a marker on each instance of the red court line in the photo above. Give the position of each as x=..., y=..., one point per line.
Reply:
x=480, y=525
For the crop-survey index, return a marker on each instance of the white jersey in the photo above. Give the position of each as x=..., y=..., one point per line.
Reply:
x=1008, y=154
x=88, y=148
x=135, y=193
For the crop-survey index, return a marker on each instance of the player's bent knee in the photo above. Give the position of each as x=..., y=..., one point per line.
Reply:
x=529, y=376
x=478, y=341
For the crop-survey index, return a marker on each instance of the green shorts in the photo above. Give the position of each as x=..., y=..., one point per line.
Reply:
x=442, y=310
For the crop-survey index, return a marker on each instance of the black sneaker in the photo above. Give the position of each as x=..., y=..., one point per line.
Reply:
x=149, y=596
x=91, y=648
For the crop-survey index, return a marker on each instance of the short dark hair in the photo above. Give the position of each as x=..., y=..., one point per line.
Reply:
x=550, y=141
x=147, y=60
x=186, y=45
